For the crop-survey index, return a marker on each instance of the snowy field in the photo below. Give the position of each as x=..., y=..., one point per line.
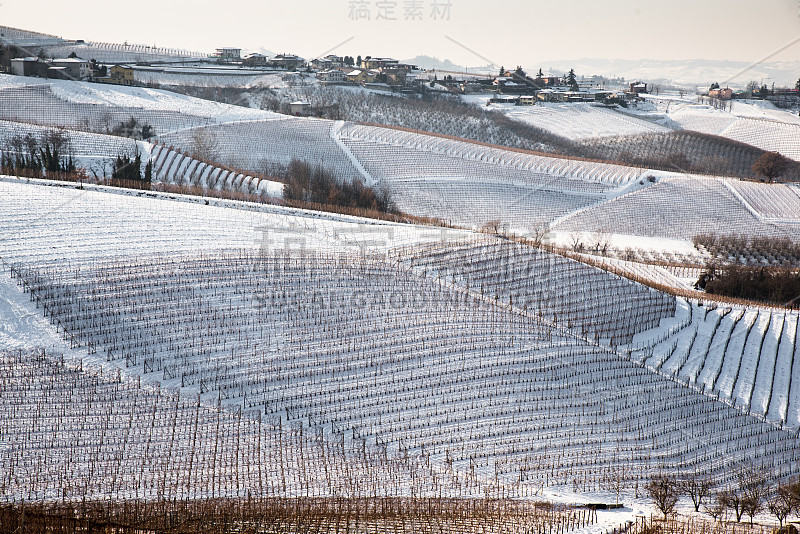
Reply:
x=756, y=123
x=471, y=355
x=680, y=208
x=580, y=121
x=744, y=356
x=256, y=145
x=97, y=107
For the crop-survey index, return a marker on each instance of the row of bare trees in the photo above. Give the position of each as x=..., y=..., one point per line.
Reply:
x=752, y=493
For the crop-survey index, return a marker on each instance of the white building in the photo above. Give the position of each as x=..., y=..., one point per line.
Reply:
x=75, y=68
x=331, y=76
x=300, y=109
x=229, y=53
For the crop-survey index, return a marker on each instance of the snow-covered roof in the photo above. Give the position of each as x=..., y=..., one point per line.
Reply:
x=300, y=103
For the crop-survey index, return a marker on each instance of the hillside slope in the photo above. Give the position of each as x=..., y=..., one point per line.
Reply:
x=415, y=360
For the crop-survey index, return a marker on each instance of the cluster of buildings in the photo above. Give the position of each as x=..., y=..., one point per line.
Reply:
x=230, y=55
x=72, y=68
x=331, y=69
x=371, y=70
x=376, y=72
x=528, y=91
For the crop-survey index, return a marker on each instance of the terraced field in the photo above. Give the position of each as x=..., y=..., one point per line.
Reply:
x=484, y=365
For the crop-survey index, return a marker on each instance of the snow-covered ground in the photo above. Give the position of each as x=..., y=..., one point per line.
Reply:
x=744, y=356
x=755, y=122
x=681, y=207
x=579, y=121
x=464, y=183
x=98, y=107
x=450, y=350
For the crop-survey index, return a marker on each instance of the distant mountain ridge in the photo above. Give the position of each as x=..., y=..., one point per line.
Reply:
x=691, y=72
x=685, y=72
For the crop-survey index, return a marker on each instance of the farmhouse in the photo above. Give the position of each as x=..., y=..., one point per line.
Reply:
x=287, y=61
x=229, y=54
x=74, y=68
x=29, y=66
x=378, y=63
x=548, y=81
x=722, y=94
x=300, y=108
x=120, y=75
x=67, y=69
x=638, y=88
x=328, y=62
x=331, y=76
x=510, y=85
x=254, y=60
x=360, y=75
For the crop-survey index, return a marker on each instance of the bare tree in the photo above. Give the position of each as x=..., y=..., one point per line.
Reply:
x=539, y=235
x=104, y=121
x=698, y=487
x=205, y=145
x=754, y=485
x=781, y=504
x=600, y=241
x=732, y=499
x=665, y=492
x=716, y=509
x=616, y=480
x=771, y=165
x=576, y=242
x=793, y=489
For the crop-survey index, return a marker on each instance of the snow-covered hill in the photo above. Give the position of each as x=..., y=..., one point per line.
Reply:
x=756, y=123
x=467, y=356
x=579, y=121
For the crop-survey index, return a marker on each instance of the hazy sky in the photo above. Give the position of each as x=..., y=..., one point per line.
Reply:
x=501, y=31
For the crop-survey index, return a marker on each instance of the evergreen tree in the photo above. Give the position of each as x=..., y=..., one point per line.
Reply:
x=539, y=76
x=571, y=80
x=147, y=131
x=127, y=169
x=502, y=71
x=797, y=85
